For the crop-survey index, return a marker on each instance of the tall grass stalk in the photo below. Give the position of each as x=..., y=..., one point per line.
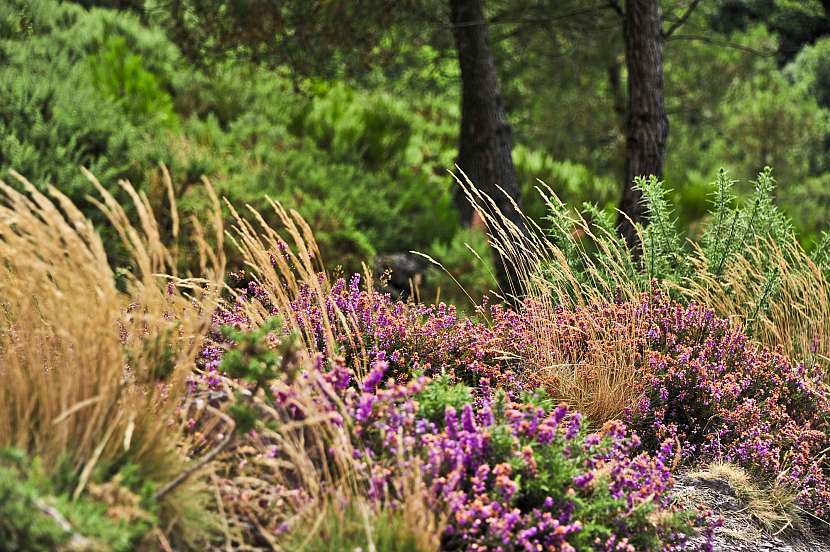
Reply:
x=314, y=479
x=92, y=370
x=599, y=380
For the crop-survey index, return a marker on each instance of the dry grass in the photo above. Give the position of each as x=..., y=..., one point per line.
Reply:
x=542, y=268
x=771, y=508
x=600, y=379
x=794, y=315
x=81, y=358
x=284, y=262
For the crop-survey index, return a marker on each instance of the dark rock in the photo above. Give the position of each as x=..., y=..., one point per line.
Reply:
x=398, y=273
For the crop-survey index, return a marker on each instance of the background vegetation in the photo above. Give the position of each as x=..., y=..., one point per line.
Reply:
x=172, y=385
x=364, y=152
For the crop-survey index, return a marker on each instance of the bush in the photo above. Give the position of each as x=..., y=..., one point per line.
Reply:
x=512, y=474
x=354, y=163
x=724, y=397
x=34, y=516
x=59, y=105
x=121, y=76
x=22, y=525
x=97, y=88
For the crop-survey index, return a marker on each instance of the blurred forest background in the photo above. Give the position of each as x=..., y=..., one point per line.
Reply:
x=352, y=111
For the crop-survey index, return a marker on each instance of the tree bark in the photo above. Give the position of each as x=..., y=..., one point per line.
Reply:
x=485, y=138
x=647, y=124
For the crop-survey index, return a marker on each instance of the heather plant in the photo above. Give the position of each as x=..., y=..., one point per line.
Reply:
x=434, y=339
x=516, y=475
x=508, y=466
x=511, y=474
x=739, y=401
x=724, y=397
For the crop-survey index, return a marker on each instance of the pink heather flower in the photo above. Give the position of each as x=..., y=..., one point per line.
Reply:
x=375, y=376
x=467, y=419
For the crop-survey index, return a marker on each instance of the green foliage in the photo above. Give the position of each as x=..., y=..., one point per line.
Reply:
x=602, y=259
x=54, y=117
x=441, y=393
x=368, y=175
x=111, y=91
x=253, y=360
x=98, y=88
x=358, y=528
x=373, y=130
x=572, y=182
x=121, y=76
x=22, y=525
x=466, y=268
x=662, y=245
x=26, y=492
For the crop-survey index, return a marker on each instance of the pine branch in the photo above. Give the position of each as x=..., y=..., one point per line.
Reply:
x=724, y=43
x=683, y=18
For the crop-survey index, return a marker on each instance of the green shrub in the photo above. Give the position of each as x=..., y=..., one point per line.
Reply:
x=352, y=528
x=26, y=493
x=67, y=100
x=121, y=76
x=441, y=393
x=22, y=525
x=744, y=261
x=322, y=156
x=665, y=254
x=372, y=129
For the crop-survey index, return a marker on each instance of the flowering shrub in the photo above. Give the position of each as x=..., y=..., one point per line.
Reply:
x=702, y=384
x=724, y=397
x=520, y=474
x=433, y=339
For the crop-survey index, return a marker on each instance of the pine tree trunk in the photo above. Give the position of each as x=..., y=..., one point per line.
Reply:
x=647, y=124
x=485, y=141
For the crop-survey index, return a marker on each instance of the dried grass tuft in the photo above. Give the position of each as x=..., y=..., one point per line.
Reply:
x=771, y=508
x=92, y=370
x=793, y=314
x=600, y=379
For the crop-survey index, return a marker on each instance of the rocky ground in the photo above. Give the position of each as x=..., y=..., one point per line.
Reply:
x=753, y=520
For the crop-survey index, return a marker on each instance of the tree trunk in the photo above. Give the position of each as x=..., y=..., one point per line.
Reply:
x=485, y=142
x=647, y=124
